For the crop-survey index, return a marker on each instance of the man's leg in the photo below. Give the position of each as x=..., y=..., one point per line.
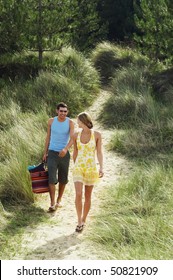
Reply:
x=52, y=194
x=60, y=192
x=63, y=169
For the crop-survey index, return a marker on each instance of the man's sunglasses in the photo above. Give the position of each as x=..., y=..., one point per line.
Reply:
x=63, y=111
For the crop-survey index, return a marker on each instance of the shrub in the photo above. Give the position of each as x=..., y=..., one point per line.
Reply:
x=108, y=57
x=162, y=83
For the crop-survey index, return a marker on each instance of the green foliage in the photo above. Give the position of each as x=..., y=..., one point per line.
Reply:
x=108, y=57
x=135, y=106
x=47, y=24
x=74, y=65
x=135, y=218
x=19, y=66
x=69, y=77
x=131, y=101
x=144, y=141
x=119, y=16
x=12, y=15
x=162, y=84
x=154, y=20
x=21, y=144
x=86, y=28
x=68, y=74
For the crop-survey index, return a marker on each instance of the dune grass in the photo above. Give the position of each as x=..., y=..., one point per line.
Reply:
x=108, y=57
x=29, y=95
x=27, y=104
x=21, y=145
x=136, y=221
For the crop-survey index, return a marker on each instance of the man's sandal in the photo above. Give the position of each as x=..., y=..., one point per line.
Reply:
x=52, y=208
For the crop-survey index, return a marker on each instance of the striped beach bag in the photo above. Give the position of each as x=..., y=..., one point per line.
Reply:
x=39, y=178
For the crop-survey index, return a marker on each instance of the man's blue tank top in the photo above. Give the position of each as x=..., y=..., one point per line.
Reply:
x=60, y=132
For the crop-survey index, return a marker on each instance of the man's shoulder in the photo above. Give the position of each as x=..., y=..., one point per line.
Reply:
x=71, y=121
x=50, y=121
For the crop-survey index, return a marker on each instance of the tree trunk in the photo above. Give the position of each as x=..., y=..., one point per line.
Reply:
x=40, y=47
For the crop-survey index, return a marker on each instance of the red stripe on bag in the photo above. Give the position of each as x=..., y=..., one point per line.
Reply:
x=40, y=183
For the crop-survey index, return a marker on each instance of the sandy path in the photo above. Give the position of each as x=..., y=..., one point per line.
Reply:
x=57, y=238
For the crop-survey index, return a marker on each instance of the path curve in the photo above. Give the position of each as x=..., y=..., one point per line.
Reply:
x=57, y=239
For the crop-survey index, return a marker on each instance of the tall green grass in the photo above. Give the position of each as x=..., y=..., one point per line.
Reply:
x=108, y=57
x=136, y=221
x=66, y=76
x=21, y=145
x=27, y=103
x=134, y=108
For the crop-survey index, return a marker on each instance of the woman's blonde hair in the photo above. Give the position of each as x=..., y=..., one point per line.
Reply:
x=86, y=119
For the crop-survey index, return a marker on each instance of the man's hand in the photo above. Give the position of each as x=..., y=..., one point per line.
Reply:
x=63, y=152
x=45, y=157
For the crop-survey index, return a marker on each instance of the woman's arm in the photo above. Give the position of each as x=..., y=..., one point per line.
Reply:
x=70, y=142
x=99, y=152
x=75, y=149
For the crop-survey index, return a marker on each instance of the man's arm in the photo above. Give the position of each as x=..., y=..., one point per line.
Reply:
x=47, y=141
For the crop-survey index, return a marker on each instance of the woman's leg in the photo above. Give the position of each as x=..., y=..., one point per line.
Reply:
x=87, y=203
x=78, y=201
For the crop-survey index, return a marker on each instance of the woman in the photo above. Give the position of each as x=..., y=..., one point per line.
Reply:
x=86, y=143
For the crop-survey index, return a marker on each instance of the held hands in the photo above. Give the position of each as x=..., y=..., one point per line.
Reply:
x=63, y=152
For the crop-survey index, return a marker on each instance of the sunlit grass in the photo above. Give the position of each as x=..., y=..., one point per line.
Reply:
x=136, y=221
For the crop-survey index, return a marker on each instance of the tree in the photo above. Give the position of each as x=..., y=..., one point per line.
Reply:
x=42, y=25
x=12, y=18
x=47, y=20
x=155, y=23
x=86, y=28
x=119, y=16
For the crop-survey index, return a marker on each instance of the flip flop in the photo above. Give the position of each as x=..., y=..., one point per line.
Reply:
x=58, y=205
x=52, y=208
x=79, y=228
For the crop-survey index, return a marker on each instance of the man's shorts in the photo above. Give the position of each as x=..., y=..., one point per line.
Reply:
x=58, y=167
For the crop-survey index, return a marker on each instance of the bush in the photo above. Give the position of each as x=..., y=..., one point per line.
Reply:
x=71, y=78
x=162, y=83
x=131, y=102
x=109, y=57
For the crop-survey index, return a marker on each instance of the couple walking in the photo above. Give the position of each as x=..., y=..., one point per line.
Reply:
x=60, y=137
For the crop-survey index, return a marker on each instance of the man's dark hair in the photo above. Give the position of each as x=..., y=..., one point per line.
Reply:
x=61, y=104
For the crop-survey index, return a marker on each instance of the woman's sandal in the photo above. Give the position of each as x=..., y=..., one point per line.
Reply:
x=58, y=205
x=79, y=228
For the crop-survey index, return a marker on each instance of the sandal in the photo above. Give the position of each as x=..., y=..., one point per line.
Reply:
x=58, y=205
x=52, y=208
x=79, y=228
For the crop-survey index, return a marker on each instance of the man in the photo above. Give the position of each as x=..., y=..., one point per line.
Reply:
x=58, y=140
